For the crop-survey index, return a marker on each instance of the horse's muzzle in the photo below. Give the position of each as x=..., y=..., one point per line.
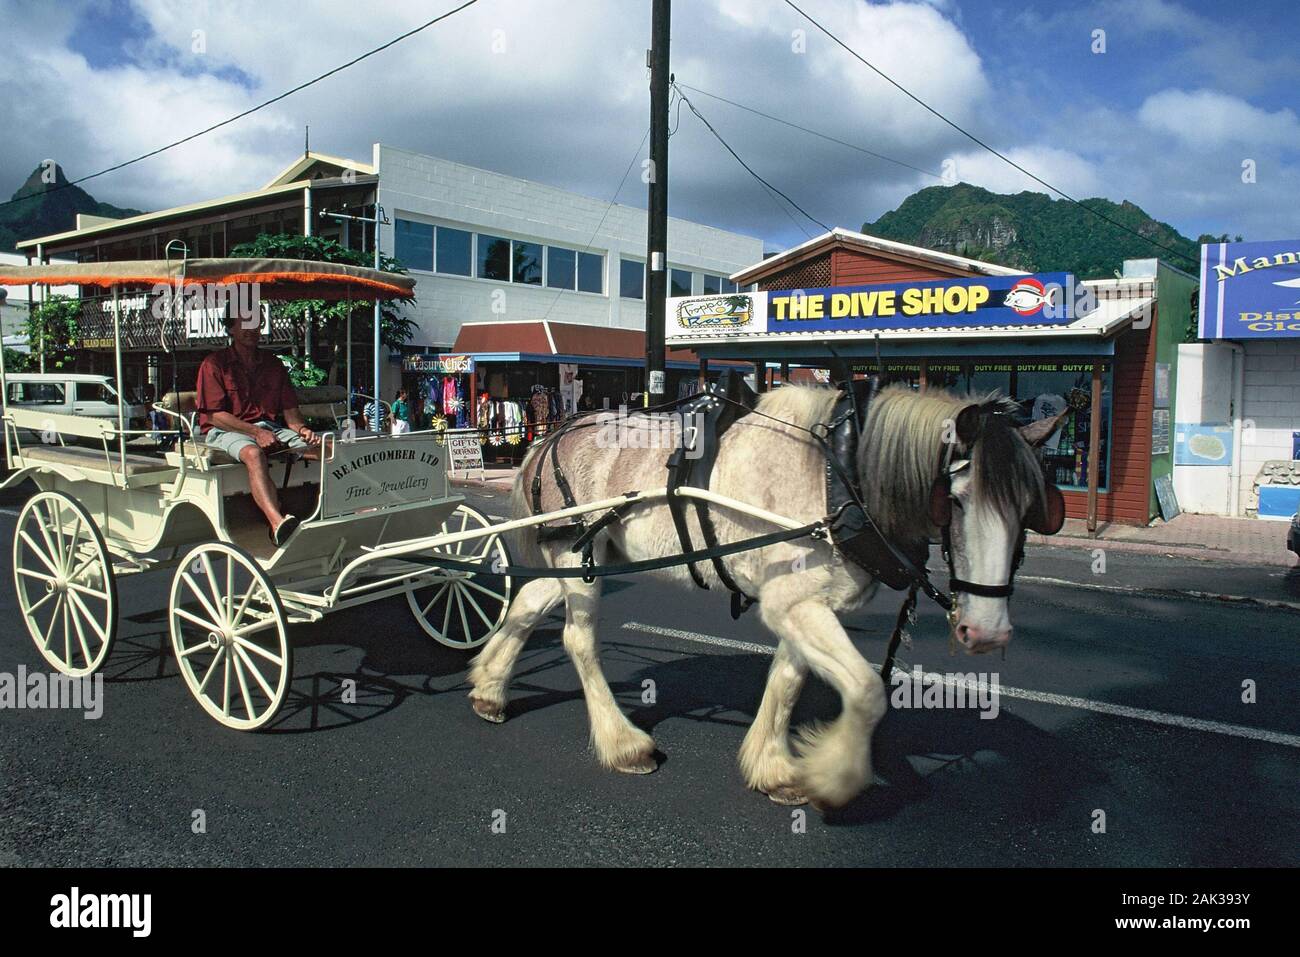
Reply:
x=978, y=641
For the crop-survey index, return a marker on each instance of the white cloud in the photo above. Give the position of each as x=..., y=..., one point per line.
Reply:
x=1209, y=118
x=1065, y=170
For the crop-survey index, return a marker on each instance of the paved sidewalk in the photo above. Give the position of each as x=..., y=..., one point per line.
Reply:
x=1246, y=541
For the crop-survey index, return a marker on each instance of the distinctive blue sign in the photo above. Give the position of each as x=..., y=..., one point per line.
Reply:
x=1202, y=444
x=1250, y=290
x=1043, y=299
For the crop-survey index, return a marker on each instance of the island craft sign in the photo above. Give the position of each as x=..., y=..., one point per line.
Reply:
x=381, y=472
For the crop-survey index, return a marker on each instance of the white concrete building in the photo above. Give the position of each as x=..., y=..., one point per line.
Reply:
x=484, y=246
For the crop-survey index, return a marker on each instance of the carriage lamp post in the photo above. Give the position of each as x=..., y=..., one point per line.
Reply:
x=379, y=219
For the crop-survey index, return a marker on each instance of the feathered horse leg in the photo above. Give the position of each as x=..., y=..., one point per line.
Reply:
x=765, y=757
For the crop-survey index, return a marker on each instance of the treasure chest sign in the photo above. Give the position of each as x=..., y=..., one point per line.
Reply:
x=382, y=472
x=1043, y=299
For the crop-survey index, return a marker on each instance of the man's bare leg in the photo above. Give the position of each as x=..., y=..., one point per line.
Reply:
x=259, y=482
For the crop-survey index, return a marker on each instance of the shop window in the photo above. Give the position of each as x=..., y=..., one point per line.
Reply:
x=493, y=258
x=712, y=285
x=413, y=244
x=1041, y=390
x=454, y=251
x=728, y=286
x=561, y=268
x=591, y=273
x=987, y=377
x=527, y=267
x=681, y=282
x=631, y=279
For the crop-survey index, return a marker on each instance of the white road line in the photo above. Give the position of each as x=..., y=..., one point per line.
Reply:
x=1165, y=593
x=8, y=511
x=1025, y=694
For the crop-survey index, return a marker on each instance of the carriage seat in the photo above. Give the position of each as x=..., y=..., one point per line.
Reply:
x=88, y=458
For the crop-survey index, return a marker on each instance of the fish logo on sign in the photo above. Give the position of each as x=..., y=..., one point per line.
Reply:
x=1027, y=297
x=1290, y=284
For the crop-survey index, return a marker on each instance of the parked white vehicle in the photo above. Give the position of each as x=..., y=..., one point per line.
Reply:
x=68, y=393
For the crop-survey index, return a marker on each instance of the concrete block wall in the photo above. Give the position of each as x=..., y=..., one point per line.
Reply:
x=432, y=190
x=1270, y=404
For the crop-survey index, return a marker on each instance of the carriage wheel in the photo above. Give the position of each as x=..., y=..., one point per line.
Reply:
x=64, y=579
x=463, y=609
x=228, y=633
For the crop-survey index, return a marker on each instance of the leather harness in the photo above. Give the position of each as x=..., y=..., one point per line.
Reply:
x=707, y=416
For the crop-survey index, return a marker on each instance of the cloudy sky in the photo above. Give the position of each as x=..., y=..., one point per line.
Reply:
x=556, y=91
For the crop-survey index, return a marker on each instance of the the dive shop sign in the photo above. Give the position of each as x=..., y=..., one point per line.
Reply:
x=381, y=473
x=1250, y=290
x=1042, y=299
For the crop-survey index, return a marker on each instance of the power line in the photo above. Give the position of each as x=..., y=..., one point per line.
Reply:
x=748, y=168
x=260, y=106
x=804, y=129
x=596, y=231
x=979, y=142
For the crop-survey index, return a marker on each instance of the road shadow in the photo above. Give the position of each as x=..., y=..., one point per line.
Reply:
x=1006, y=762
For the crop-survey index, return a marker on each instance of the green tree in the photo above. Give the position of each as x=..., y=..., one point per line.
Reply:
x=329, y=319
x=52, y=331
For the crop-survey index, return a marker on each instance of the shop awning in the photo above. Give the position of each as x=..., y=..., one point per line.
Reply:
x=545, y=341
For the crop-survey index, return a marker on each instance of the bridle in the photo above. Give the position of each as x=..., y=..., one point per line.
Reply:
x=1047, y=521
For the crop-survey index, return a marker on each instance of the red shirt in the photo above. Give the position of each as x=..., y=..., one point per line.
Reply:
x=226, y=386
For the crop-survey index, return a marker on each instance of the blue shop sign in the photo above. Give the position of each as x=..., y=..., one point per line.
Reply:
x=1042, y=299
x=1250, y=290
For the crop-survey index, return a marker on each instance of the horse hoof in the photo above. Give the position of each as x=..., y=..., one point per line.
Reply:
x=489, y=711
x=642, y=765
x=788, y=796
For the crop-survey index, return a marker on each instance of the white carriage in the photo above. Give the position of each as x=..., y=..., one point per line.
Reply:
x=379, y=515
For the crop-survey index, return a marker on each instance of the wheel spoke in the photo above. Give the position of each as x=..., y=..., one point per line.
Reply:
x=470, y=583
x=200, y=645
x=212, y=582
x=72, y=542
x=45, y=639
x=257, y=675
x=46, y=529
x=81, y=635
x=225, y=687
x=195, y=619
x=94, y=623
x=464, y=622
x=36, y=550
x=230, y=584
x=477, y=608
x=89, y=560
x=434, y=600
x=258, y=649
x=243, y=687
x=243, y=604
x=56, y=525
x=194, y=588
x=37, y=575
x=67, y=635
x=212, y=666
x=47, y=596
x=101, y=595
x=446, y=617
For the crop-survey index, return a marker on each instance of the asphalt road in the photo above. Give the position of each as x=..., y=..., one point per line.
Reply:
x=1113, y=700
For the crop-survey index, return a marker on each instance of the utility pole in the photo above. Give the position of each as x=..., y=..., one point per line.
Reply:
x=657, y=227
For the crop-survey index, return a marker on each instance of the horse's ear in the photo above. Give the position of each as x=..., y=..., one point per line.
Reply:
x=1051, y=517
x=1036, y=433
x=968, y=424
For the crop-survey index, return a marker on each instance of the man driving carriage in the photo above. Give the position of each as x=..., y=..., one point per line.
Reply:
x=247, y=408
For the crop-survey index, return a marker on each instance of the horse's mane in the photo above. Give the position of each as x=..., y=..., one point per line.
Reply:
x=902, y=450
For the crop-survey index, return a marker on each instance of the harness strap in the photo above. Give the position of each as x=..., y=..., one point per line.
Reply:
x=591, y=572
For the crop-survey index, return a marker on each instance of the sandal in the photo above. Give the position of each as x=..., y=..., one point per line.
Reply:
x=280, y=534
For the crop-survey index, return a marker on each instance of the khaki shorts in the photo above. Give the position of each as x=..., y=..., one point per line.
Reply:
x=233, y=443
